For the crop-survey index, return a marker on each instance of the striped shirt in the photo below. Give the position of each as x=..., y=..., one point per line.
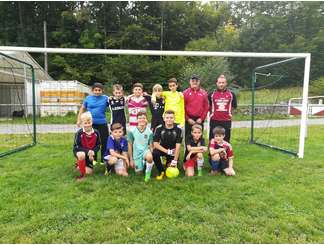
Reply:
x=135, y=105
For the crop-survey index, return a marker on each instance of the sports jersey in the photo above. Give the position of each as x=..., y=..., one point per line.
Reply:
x=190, y=141
x=97, y=106
x=117, y=109
x=174, y=101
x=140, y=141
x=85, y=142
x=135, y=105
x=119, y=146
x=221, y=103
x=196, y=103
x=168, y=138
x=157, y=110
x=227, y=146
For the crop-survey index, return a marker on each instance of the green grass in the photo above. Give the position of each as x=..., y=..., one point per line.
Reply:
x=275, y=198
x=268, y=96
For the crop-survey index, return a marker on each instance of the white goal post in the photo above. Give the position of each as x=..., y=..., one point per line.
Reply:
x=306, y=56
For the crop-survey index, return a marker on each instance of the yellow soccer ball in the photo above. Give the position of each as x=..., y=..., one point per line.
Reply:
x=172, y=172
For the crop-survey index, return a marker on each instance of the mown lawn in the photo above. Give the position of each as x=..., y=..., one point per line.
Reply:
x=275, y=198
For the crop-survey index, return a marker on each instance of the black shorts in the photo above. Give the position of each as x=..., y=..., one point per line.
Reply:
x=89, y=164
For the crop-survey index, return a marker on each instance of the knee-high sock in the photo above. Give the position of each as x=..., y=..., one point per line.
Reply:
x=82, y=166
x=200, y=163
x=149, y=167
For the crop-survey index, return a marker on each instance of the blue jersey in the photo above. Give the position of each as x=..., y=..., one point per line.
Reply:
x=119, y=146
x=97, y=106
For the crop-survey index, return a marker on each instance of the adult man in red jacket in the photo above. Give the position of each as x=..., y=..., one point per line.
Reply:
x=222, y=101
x=196, y=104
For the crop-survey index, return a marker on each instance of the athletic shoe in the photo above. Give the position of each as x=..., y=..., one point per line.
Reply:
x=160, y=177
x=199, y=172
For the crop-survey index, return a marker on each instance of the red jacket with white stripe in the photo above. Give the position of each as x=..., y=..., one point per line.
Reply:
x=221, y=104
x=196, y=103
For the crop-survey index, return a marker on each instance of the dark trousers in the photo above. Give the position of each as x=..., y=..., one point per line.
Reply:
x=157, y=159
x=227, y=125
x=104, y=133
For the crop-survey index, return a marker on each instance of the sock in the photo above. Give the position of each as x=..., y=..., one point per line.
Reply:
x=200, y=163
x=149, y=167
x=214, y=165
x=82, y=166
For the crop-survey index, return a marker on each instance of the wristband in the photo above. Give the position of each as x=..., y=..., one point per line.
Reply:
x=174, y=163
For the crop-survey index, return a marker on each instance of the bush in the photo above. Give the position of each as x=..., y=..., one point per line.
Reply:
x=317, y=87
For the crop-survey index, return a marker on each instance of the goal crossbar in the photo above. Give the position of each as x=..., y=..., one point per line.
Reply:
x=306, y=56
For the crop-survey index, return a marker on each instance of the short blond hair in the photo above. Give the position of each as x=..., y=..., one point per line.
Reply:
x=86, y=116
x=157, y=87
x=117, y=87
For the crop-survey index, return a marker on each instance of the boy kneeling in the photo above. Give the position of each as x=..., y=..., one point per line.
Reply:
x=86, y=145
x=140, y=145
x=221, y=153
x=117, y=150
x=167, y=141
x=195, y=148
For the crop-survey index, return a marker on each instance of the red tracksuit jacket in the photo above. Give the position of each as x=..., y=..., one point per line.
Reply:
x=196, y=103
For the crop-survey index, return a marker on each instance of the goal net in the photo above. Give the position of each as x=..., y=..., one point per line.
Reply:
x=272, y=87
x=17, y=107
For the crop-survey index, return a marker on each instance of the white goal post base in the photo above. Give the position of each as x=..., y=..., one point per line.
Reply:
x=306, y=56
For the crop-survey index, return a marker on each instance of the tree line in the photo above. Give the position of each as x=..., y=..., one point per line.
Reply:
x=215, y=26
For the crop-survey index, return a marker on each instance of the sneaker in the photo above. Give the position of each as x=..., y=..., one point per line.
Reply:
x=147, y=177
x=199, y=172
x=107, y=172
x=160, y=177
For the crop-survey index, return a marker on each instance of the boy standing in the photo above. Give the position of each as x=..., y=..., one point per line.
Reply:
x=136, y=103
x=117, y=150
x=140, y=145
x=157, y=105
x=174, y=101
x=221, y=153
x=167, y=141
x=86, y=145
x=117, y=104
x=97, y=104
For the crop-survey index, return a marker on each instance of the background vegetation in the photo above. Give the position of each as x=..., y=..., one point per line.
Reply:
x=216, y=26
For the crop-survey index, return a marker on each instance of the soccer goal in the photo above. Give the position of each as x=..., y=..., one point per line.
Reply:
x=261, y=78
x=17, y=104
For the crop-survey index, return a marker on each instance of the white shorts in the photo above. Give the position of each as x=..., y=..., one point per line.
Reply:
x=119, y=165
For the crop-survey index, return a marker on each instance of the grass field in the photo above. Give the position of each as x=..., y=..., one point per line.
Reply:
x=275, y=198
x=269, y=96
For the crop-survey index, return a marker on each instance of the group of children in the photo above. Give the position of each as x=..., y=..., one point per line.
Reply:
x=141, y=147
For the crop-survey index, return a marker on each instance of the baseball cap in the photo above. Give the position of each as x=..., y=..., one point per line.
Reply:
x=194, y=76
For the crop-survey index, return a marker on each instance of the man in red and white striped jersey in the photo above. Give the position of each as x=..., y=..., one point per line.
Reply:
x=222, y=101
